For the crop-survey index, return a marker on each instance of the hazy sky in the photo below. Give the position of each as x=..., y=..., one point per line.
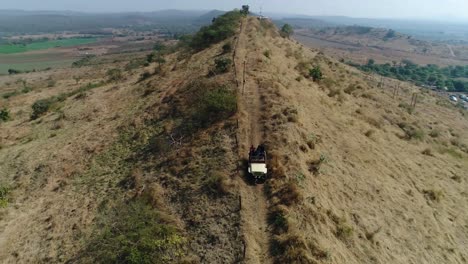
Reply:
x=435, y=9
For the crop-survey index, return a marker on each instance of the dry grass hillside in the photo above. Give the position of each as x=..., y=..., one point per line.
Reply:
x=127, y=165
x=358, y=176
x=146, y=164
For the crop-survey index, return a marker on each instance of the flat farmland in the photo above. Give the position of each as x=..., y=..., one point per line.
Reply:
x=35, y=61
x=41, y=45
x=63, y=56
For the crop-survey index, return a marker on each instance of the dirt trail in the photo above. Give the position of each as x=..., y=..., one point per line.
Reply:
x=254, y=203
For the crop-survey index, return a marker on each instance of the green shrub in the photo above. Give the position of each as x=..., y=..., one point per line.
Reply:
x=26, y=89
x=4, y=115
x=214, y=105
x=278, y=219
x=411, y=132
x=41, y=107
x=51, y=83
x=144, y=76
x=245, y=10
x=150, y=57
x=390, y=34
x=13, y=71
x=4, y=191
x=316, y=73
x=222, y=65
x=315, y=166
x=134, y=64
x=159, y=46
x=114, y=75
x=10, y=94
x=83, y=61
x=344, y=231
x=286, y=31
x=290, y=248
x=434, y=133
x=222, y=28
x=227, y=48
x=134, y=232
x=434, y=195
x=267, y=53
x=407, y=107
x=216, y=183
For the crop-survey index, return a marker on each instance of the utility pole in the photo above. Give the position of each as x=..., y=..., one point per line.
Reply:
x=396, y=90
x=381, y=83
x=414, y=101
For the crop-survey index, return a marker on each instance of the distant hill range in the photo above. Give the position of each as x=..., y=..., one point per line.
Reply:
x=361, y=43
x=176, y=21
x=424, y=29
x=185, y=21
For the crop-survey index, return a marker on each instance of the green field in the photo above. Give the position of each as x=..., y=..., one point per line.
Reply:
x=19, y=48
x=35, y=65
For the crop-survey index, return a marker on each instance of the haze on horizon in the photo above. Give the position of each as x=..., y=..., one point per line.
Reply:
x=447, y=10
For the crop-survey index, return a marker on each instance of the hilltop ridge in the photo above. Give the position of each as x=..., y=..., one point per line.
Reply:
x=358, y=175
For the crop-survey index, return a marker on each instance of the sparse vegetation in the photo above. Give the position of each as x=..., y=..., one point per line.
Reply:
x=217, y=183
x=315, y=166
x=290, y=248
x=213, y=105
x=51, y=83
x=42, y=106
x=407, y=107
x=278, y=219
x=134, y=64
x=290, y=194
x=434, y=195
x=343, y=230
x=135, y=232
x=85, y=61
x=267, y=53
x=312, y=141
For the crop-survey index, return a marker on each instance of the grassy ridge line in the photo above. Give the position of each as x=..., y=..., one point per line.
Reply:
x=11, y=49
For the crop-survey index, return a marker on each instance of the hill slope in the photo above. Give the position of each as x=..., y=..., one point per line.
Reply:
x=357, y=176
x=374, y=183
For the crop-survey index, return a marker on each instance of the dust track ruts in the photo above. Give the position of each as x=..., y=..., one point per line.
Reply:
x=254, y=209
